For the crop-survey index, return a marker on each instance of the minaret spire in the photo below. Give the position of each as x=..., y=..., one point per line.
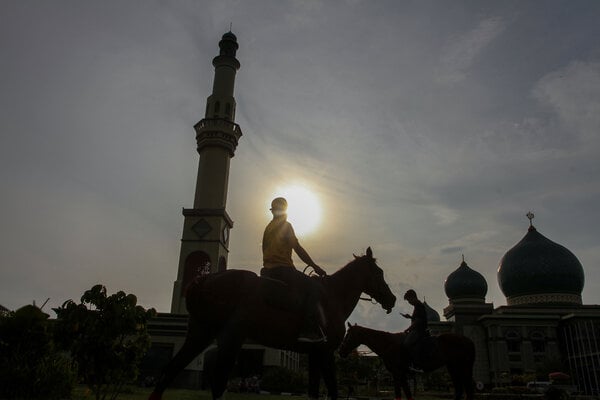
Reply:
x=205, y=239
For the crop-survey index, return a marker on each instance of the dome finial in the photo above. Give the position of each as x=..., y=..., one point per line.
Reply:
x=530, y=216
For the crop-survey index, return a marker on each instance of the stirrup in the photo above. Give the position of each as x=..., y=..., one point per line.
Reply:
x=312, y=337
x=414, y=368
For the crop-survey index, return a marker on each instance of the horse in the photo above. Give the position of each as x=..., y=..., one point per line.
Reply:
x=235, y=305
x=456, y=352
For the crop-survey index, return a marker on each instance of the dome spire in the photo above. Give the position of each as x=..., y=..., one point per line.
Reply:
x=530, y=216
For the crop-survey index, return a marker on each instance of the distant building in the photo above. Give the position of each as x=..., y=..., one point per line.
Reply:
x=3, y=310
x=543, y=327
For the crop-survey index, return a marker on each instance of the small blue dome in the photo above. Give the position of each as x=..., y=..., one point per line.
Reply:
x=465, y=283
x=432, y=315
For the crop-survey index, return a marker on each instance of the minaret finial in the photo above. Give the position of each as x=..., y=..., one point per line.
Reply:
x=463, y=257
x=230, y=26
x=530, y=216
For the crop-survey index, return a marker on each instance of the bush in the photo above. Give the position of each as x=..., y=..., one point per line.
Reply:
x=107, y=336
x=30, y=368
x=280, y=380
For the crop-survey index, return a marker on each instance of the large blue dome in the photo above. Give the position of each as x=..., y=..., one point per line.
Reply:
x=465, y=284
x=537, y=270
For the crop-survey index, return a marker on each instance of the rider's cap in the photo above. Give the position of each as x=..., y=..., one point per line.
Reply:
x=279, y=204
x=410, y=294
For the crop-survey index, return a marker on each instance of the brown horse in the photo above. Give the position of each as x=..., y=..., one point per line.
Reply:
x=456, y=352
x=236, y=305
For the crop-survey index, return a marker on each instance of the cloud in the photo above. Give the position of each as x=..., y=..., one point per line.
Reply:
x=573, y=93
x=462, y=51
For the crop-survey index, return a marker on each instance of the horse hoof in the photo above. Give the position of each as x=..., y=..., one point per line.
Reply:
x=155, y=396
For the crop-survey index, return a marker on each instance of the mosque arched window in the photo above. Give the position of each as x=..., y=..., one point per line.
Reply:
x=222, y=264
x=513, y=341
x=196, y=264
x=538, y=342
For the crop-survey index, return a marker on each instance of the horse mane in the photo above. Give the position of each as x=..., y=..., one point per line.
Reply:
x=353, y=264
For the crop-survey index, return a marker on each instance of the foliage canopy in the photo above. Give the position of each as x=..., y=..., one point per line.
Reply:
x=106, y=337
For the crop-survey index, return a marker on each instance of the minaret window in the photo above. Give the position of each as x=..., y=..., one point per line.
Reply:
x=228, y=109
x=217, y=107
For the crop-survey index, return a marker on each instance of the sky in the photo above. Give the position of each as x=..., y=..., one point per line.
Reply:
x=425, y=129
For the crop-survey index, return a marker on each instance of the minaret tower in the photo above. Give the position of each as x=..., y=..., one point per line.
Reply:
x=205, y=240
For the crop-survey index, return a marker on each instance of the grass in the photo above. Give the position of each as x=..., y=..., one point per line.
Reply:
x=139, y=393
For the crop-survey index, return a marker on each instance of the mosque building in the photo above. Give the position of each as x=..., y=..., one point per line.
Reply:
x=543, y=328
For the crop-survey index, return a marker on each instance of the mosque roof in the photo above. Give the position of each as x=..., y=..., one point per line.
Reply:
x=538, y=270
x=432, y=315
x=465, y=283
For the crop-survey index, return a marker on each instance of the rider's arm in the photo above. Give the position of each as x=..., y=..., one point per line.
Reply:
x=306, y=258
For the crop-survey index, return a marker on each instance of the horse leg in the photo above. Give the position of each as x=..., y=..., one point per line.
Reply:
x=468, y=383
x=400, y=384
x=406, y=387
x=229, y=346
x=457, y=382
x=196, y=341
x=329, y=375
x=315, y=362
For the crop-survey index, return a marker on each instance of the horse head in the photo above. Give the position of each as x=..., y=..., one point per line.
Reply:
x=351, y=341
x=375, y=284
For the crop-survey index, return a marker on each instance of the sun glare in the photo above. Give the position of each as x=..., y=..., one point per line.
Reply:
x=304, y=208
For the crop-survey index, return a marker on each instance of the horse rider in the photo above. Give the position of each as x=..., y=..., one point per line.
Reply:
x=278, y=242
x=418, y=327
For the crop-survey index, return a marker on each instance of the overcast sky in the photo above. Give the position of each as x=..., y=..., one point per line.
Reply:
x=427, y=129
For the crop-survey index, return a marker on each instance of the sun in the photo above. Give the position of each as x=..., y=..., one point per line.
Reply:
x=304, y=208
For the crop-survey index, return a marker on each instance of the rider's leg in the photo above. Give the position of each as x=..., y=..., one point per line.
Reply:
x=411, y=343
x=314, y=316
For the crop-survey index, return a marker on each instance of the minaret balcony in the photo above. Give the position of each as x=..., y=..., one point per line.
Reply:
x=217, y=132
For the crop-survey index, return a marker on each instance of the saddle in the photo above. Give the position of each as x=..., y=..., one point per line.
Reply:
x=282, y=296
x=424, y=349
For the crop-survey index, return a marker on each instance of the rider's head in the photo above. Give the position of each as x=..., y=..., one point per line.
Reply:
x=410, y=296
x=279, y=206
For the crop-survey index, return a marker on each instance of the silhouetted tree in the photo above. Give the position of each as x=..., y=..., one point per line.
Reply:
x=30, y=367
x=107, y=338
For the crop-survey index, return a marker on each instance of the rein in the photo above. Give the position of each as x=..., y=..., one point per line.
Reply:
x=369, y=299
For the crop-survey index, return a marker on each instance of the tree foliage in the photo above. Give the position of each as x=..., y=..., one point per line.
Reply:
x=106, y=336
x=30, y=367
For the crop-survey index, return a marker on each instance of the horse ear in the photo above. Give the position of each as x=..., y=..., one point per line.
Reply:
x=369, y=252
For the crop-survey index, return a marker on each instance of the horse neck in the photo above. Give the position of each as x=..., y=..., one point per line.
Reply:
x=377, y=341
x=346, y=285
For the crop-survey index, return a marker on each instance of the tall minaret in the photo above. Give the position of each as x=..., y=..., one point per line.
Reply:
x=205, y=240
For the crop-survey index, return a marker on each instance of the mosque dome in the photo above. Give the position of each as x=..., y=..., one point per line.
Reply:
x=537, y=270
x=432, y=315
x=465, y=284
